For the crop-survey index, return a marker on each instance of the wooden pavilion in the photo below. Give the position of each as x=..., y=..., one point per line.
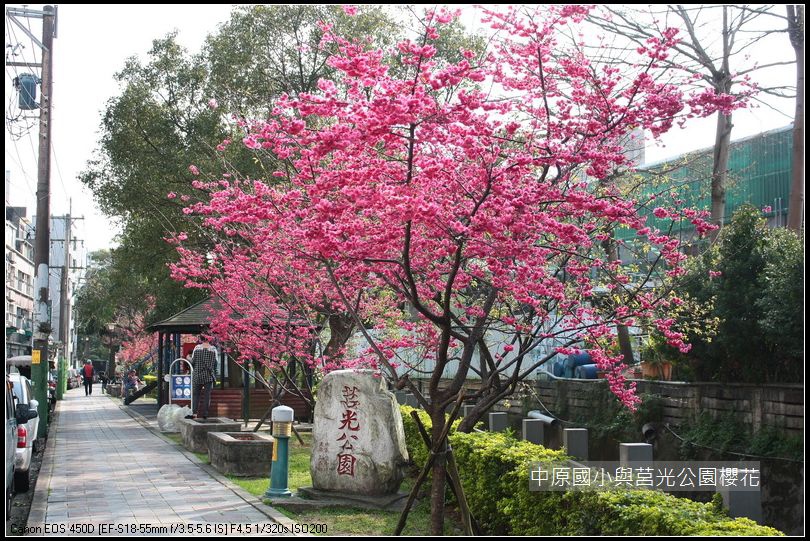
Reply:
x=233, y=395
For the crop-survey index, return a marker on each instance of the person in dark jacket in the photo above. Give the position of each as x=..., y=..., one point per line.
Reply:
x=88, y=373
x=204, y=362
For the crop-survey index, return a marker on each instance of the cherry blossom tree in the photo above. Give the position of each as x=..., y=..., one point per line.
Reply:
x=454, y=210
x=270, y=307
x=136, y=343
x=136, y=348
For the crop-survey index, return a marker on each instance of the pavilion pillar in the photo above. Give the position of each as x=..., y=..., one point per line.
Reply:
x=246, y=392
x=222, y=362
x=160, y=369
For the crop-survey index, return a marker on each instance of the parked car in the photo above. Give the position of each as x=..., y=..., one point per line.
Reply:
x=27, y=440
x=18, y=415
x=11, y=443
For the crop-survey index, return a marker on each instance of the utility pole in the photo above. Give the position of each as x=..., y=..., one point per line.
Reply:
x=39, y=354
x=65, y=299
x=64, y=309
x=795, y=218
x=60, y=363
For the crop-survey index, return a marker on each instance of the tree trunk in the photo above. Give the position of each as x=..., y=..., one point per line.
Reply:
x=796, y=206
x=235, y=375
x=625, y=344
x=469, y=421
x=341, y=327
x=722, y=142
x=439, y=475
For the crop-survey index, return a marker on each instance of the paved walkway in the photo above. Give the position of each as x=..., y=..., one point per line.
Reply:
x=107, y=468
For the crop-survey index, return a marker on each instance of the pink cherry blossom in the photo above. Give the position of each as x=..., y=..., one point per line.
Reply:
x=408, y=208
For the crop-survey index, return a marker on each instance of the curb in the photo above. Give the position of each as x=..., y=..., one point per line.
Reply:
x=39, y=503
x=268, y=511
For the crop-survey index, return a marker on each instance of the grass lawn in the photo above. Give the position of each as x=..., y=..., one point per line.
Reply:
x=339, y=520
x=299, y=469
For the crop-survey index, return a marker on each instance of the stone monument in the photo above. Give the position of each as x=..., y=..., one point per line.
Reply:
x=358, y=439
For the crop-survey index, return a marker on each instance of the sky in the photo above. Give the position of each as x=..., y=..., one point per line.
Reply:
x=93, y=43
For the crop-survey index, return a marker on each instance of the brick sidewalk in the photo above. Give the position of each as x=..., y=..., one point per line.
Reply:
x=102, y=466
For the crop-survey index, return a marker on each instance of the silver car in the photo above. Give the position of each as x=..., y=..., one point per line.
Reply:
x=26, y=432
x=11, y=441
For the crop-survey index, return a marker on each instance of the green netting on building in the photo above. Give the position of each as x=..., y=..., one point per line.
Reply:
x=759, y=174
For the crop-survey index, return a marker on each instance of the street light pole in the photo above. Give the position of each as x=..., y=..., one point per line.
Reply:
x=113, y=343
x=111, y=362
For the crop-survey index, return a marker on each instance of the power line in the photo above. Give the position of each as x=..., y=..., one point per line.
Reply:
x=745, y=455
x=34, y=152
x=59, y=171
x=12, y=114
x=27, y=130
x=22, y=169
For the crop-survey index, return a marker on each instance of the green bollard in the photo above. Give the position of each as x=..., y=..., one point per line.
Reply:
x=282, y=418
x=61, y=379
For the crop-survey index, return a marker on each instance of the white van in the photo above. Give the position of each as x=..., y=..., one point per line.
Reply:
x=27, y=441
x=16, y=414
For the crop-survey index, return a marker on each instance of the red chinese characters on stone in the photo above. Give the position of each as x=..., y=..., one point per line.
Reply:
x=350, y=399
x=347, y=443
x=346, y=464
x=349, y=422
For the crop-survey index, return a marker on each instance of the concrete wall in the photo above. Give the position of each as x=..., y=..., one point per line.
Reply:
x=758, y=406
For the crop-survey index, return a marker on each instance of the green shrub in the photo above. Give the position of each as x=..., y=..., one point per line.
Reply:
x=149, y=378
x=494, y=469
x=728, y=433
x=745, y=324
x=417, y=451
x=647, y=512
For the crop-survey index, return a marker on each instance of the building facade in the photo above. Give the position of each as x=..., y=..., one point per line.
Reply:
x=19, y=282
x=67, y=258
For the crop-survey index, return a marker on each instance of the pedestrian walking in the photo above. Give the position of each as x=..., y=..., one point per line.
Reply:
x=103, y=379
x=87, y=374
x=204, y=362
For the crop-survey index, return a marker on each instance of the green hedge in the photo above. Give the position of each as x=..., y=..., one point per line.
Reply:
x=494, y=471
x=147, y=379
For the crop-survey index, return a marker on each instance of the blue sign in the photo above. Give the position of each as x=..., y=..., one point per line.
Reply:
x=180, y=387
